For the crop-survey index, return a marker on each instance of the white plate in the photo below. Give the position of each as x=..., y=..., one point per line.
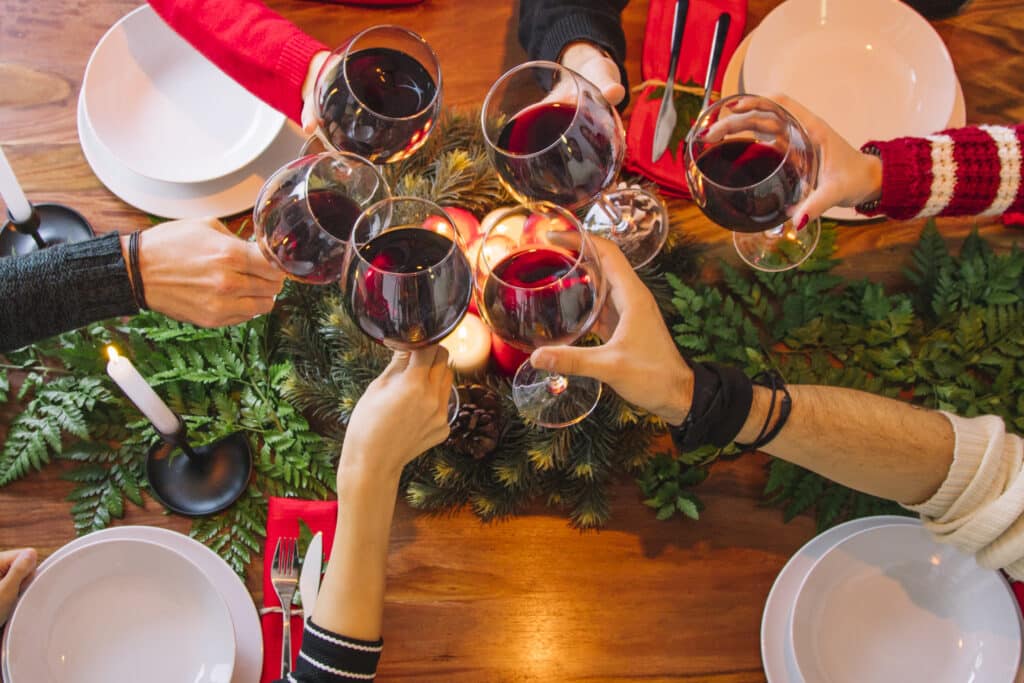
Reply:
x=776, y=649
x=732, y=83
x=222, y=197
x=871, y=68
x=121, y=610
x=890, y=603
x=167, y=112
x=245, y=620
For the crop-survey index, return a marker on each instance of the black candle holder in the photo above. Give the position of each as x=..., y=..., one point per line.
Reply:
x=47, y=226
x=198, y=480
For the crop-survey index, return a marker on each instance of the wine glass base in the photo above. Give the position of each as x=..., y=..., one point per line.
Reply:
x=643, y=228
x=204, y=485
x=58, y=224
x=778, y=249
x=536, y=400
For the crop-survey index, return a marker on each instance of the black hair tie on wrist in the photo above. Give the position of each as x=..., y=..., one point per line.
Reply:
x=773, y=379
x=138, y=290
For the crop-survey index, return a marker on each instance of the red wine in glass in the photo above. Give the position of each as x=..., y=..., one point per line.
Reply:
x=558, y=153
x=539, y=296
x=381, y=105
x=751, y=185
x=409, y=288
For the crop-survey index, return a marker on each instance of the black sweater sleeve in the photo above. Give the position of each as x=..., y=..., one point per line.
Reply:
x=328, y=657
x=62, y=288
x=547, y=26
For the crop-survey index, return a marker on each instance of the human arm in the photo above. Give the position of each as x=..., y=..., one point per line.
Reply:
x=261, y=50
x=975, y=170
x=403, y=413
x=15, y=567
x=192, y=270
x=584, y=35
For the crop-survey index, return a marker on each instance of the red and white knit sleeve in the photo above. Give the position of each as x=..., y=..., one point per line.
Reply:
x=959, y=172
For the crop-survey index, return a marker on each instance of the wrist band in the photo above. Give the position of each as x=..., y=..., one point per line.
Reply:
x=773, y=379
x=138, y=290
x=722, y=397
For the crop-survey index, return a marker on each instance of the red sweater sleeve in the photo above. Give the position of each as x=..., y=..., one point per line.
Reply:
x=971, y=171
x=261, y=50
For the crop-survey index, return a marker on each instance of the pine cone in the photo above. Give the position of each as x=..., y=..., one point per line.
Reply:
x=475, y=431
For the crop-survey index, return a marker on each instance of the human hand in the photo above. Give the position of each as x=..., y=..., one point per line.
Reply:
x=846, y=176
x=639, y=360
x=196, y=271
x=15, y=567
x=592, y=63
x=309, y=118
x=402, y=413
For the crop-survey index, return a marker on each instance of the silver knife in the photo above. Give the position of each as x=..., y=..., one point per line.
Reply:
x=717, y=44
x=309, y=577
x=667, y=113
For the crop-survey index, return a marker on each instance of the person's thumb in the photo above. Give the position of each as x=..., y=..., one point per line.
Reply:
x=20, y=569
x=571, y=360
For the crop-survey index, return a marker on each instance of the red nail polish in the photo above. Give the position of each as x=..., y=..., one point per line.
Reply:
x=803, y=222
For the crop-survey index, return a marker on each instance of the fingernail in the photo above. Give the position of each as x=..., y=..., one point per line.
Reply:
x=803, y=222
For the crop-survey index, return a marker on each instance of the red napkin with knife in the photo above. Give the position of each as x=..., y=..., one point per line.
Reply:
x=283, y=515
x=669, y=172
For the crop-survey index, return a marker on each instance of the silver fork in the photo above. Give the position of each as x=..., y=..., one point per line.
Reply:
x=284, y=575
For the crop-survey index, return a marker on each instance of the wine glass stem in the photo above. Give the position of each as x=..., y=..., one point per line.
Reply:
x=607, y=206
x=40, y=242
x=557, y=384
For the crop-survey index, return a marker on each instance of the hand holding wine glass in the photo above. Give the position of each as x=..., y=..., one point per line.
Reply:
x=305, y=212
x=747, y=170
x=541, y=285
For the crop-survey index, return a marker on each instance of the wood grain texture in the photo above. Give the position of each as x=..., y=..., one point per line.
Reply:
x=528, y=599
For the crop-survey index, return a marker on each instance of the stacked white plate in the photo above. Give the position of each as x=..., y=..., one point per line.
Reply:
x=133, y=603
x=877, y=600
x=168, y=132
x=873, y=69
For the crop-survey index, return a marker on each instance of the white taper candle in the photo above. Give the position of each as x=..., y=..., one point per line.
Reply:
x=141, y=394
x=10, y=190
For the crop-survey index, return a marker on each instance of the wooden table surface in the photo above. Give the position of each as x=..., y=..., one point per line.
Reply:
x=529, y=599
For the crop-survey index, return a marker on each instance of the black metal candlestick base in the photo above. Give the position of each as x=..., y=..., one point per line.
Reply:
x=200, y=480
x=49, y=225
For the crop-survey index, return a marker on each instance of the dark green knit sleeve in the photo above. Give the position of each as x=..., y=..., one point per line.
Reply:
x=62, y=288
x=547, y=26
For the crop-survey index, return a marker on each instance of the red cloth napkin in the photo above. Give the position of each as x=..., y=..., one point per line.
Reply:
x=669, y=172
x=283, y=515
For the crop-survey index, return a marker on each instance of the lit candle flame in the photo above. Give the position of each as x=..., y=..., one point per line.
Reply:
x=112, y=352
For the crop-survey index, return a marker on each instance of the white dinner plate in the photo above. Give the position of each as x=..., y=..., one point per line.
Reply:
x=222, y=197
x=121, y=610
x=890, y=603
x=871, y=68
x=732, y=83
x=776, y=648
x=245, y=620
x=165, y=111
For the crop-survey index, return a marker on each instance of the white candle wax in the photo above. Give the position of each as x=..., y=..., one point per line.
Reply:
x=469, y=345
x=10, y=190
x=140, y=393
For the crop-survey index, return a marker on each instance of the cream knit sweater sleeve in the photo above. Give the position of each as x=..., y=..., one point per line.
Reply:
x=979, y=508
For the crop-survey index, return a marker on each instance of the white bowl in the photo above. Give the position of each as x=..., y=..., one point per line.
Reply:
x=165, y=111
x=121, y=610
x=873, y=69
x=891, y=604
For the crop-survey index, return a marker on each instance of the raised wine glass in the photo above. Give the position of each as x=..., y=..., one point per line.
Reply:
x=747, y=170
x=305, y=212
x=554, y=138
x=379, y=94
x=536, y=286
x=409, y=283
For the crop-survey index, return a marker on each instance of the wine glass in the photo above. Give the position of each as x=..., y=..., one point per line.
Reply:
x=539, y=283
x=409, y=283
x=379, y=94
x=746, y=171
x=552, y=137
x=305, y=212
